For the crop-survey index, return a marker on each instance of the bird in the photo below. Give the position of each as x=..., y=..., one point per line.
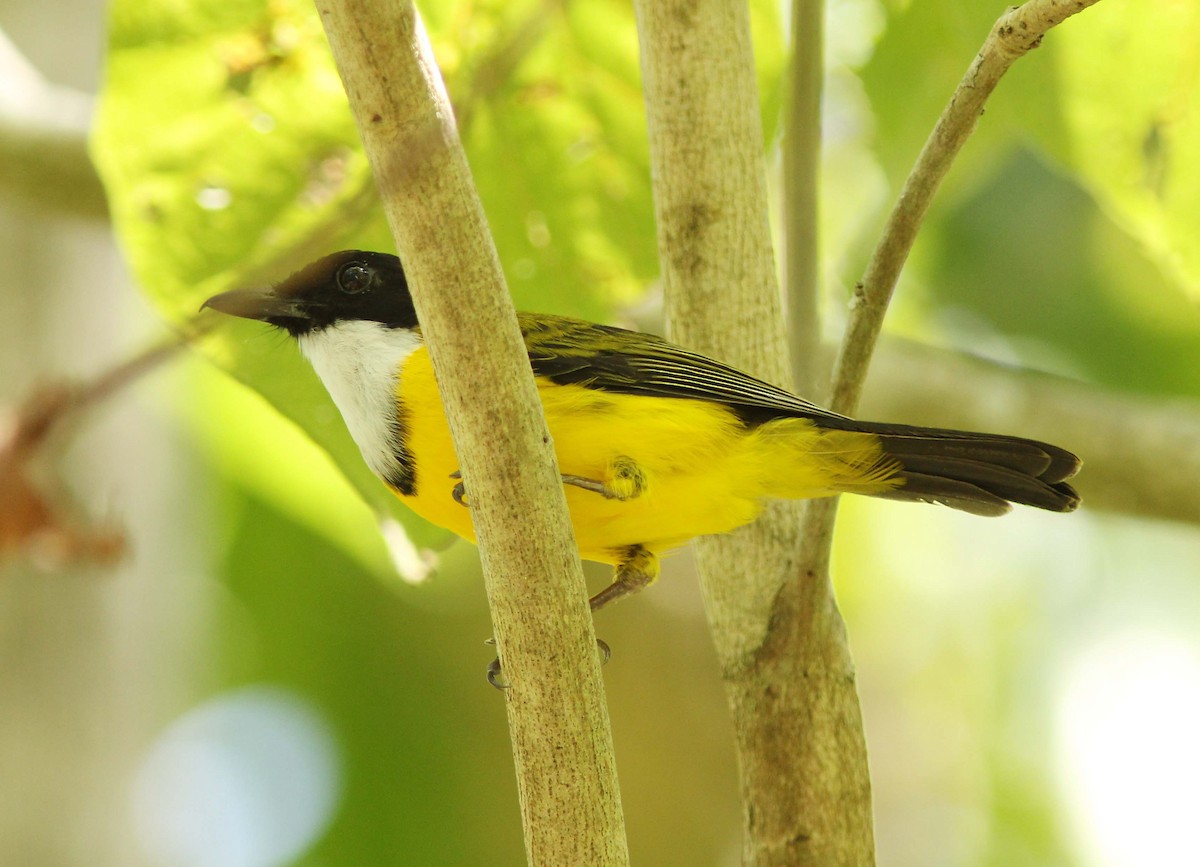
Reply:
x=656, y=444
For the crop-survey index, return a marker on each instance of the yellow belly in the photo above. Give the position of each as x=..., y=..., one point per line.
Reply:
x=704, y=472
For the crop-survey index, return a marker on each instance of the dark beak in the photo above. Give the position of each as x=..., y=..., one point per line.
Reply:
x=261, y=304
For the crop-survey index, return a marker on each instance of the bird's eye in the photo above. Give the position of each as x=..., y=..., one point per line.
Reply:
x=354, y=277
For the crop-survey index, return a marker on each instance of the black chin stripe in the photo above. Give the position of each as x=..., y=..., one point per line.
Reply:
x=402, y=478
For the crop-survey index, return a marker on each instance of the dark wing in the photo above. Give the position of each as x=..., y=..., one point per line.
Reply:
x=977, y=472
x=571, y=351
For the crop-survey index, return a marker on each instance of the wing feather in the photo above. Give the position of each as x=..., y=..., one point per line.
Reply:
x=571, y=351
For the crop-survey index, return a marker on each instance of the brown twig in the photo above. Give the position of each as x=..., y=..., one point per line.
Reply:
x=1017, y=32
x=38, y=518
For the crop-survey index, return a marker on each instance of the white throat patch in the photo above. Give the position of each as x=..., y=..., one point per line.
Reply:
x=359, y=363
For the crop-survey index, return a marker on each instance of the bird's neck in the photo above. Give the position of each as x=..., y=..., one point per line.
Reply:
x=360, y=362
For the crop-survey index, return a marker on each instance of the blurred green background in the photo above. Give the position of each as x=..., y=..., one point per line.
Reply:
x=257, y=683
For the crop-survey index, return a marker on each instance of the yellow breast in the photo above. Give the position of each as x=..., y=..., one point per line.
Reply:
x=687, y=451
x=704, y=472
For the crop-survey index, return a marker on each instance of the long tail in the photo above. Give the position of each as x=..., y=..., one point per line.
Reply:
x=977, y=473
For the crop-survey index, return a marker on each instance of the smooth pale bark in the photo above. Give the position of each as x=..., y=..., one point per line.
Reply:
x=562, y=744
x=789, y=679
x=801, y=152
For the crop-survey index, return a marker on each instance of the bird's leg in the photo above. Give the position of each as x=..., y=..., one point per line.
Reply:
x=625, y=481
x=638, y=568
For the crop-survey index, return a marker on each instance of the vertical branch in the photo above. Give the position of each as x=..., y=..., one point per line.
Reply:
x=710, y=199
x=562, y=744
x=801, y=169
x=805, y=789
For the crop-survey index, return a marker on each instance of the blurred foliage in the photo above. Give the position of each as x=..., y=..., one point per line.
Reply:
x=1111, y=96
x=230, y=156
x=425, y=751
x=1060, y=135
x=1130, y=86
x=407, y=780
x=1047, y=246
x=1051, y=284
x=1061, y=238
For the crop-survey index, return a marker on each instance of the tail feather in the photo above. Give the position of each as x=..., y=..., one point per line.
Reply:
x=977, y=473
x=964, y=496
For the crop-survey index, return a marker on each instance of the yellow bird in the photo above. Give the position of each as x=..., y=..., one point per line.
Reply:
x=656, y=444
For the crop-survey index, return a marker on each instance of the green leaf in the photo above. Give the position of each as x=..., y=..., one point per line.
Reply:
x=1110, y=94
x=226, y=145
x=1130, y=83
x=559, y=154
x=230, y=156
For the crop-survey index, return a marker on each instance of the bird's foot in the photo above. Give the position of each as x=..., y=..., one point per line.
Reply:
x=626, y=480
x=638, y=569
x=459, y=491
x=495, y=675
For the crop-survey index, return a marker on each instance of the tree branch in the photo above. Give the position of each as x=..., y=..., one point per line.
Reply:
x=562, y=744
x=1017, y=31
x=805, y=789
x=801, y=169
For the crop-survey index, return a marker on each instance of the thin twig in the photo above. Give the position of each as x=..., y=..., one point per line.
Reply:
x=37, y=518
x=113, y=380
x=53, y=407
x=801, y=168
x=1015, y=33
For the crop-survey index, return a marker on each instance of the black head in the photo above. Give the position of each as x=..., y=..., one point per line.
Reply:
x=350, y=285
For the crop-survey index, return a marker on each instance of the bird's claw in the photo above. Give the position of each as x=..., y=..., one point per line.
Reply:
x=459, y=492
x=495, y=674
